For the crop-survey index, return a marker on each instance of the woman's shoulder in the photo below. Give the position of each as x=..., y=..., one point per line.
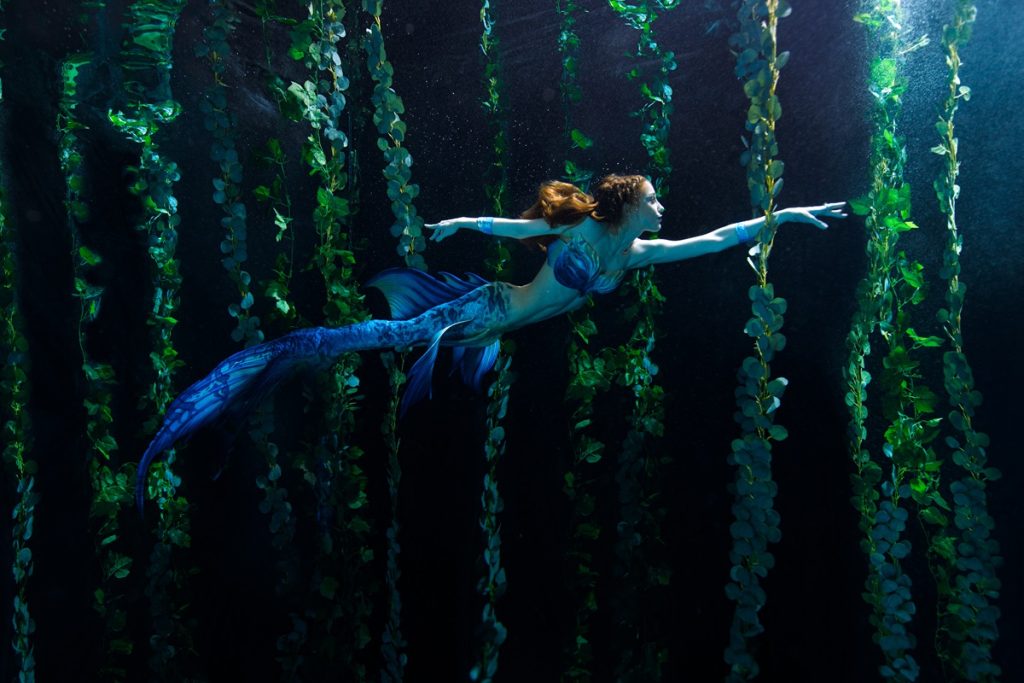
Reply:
x=587, y=229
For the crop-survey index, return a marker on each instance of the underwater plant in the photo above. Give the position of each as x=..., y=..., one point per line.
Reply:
x=340, y=484
x=388, y=108
x=393, y=644
x=408, y=228
x=586, y=378
x=968, y=585
x=281, y=311
x=493, y=583
x=891, y=286
x=111, y=488
x=639, y=534
x=227, y=192
x=759, y=395
x=17, y=428
x=146, y=59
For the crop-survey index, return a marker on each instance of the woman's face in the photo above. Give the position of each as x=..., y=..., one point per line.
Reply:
x=646, y=215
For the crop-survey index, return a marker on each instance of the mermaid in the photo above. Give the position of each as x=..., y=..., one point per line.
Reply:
x=590, y=240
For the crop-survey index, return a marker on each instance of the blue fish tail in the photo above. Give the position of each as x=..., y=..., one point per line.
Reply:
x=232, y=388
x=430, y=312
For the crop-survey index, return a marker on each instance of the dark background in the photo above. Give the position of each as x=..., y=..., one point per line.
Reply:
x=816, y=623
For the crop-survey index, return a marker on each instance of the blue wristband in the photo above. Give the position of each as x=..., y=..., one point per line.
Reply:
x=742, y=236
x=485, y=224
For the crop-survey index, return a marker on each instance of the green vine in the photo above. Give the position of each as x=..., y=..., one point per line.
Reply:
x=572, y=93
x=392, y=643
x=756, y=524
x=639, y=531
x=146, y=59
x=494, y=582
x=893, y=284
x=587, y=376
x=338, y=479
x=496, y=177
x=227, y=191
x=278, y=289
x=281, y=310
x=14, y=389
x=111, y=488
x=408, y=226
x=967, y=628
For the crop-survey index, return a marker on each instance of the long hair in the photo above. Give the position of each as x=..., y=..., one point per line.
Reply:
x=561, y=203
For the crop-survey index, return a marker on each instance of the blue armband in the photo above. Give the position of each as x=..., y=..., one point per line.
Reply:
x=742, y=236
x=485, y=224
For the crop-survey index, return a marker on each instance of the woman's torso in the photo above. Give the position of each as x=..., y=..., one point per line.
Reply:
x=588, y=261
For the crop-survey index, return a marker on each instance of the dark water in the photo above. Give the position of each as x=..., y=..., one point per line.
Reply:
x=816, y=623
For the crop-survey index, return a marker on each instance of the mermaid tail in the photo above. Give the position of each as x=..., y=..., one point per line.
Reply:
x=427, y=311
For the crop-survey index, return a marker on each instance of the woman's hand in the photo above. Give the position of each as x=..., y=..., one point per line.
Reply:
x=447, y=227
x=811, y=214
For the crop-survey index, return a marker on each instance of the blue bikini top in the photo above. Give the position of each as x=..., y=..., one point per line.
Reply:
x=576, y=265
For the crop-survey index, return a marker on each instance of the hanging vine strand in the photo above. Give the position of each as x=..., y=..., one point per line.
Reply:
x=281, y=311
x=967, y=627
x=227, y=190
x=494, y=582
x=586, y=378
x=393, y=644
x=340, y=484
x=146, y=60
x=639, y=545
x=408, y=227
x=388, y=108
x=893, y=284
x=111, y=487
x=18, y=462
x=758, y=395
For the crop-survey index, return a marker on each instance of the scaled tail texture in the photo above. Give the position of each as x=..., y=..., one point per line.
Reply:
x=428, y=311
x=233, y=387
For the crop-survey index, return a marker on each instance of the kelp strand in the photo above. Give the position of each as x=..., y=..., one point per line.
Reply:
x=639, y=542
x=340, y=484
x=280, y=310
x=968, y=619
x=146, y=59
x=494, y=582
x=18, y=462
x=111, y=487
x=227, y=186
x=388, y=108
x=586, y=378
x=891, y=282
x=408, y=228
x=759, y=395
x=392, y=643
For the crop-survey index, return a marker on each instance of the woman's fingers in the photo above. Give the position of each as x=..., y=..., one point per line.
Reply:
x=834, y=209
x=439, y=231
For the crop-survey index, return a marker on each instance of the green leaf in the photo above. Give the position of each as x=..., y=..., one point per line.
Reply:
x=328, y=587
x=580, y=140
x=860, y=206
x=89, y=257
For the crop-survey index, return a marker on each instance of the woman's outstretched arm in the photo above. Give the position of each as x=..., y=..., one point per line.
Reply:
x=518, y=228
x=651, y=252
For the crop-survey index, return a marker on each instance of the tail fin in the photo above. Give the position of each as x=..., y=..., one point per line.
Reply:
x=233, y=387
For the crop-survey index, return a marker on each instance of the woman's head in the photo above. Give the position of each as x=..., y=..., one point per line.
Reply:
x=615, y=196
x=561, y=203
x=613, y=201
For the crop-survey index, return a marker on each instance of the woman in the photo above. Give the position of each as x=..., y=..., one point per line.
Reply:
x=590, y=239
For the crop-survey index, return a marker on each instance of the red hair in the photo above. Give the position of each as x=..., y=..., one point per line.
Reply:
x=561, y=203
